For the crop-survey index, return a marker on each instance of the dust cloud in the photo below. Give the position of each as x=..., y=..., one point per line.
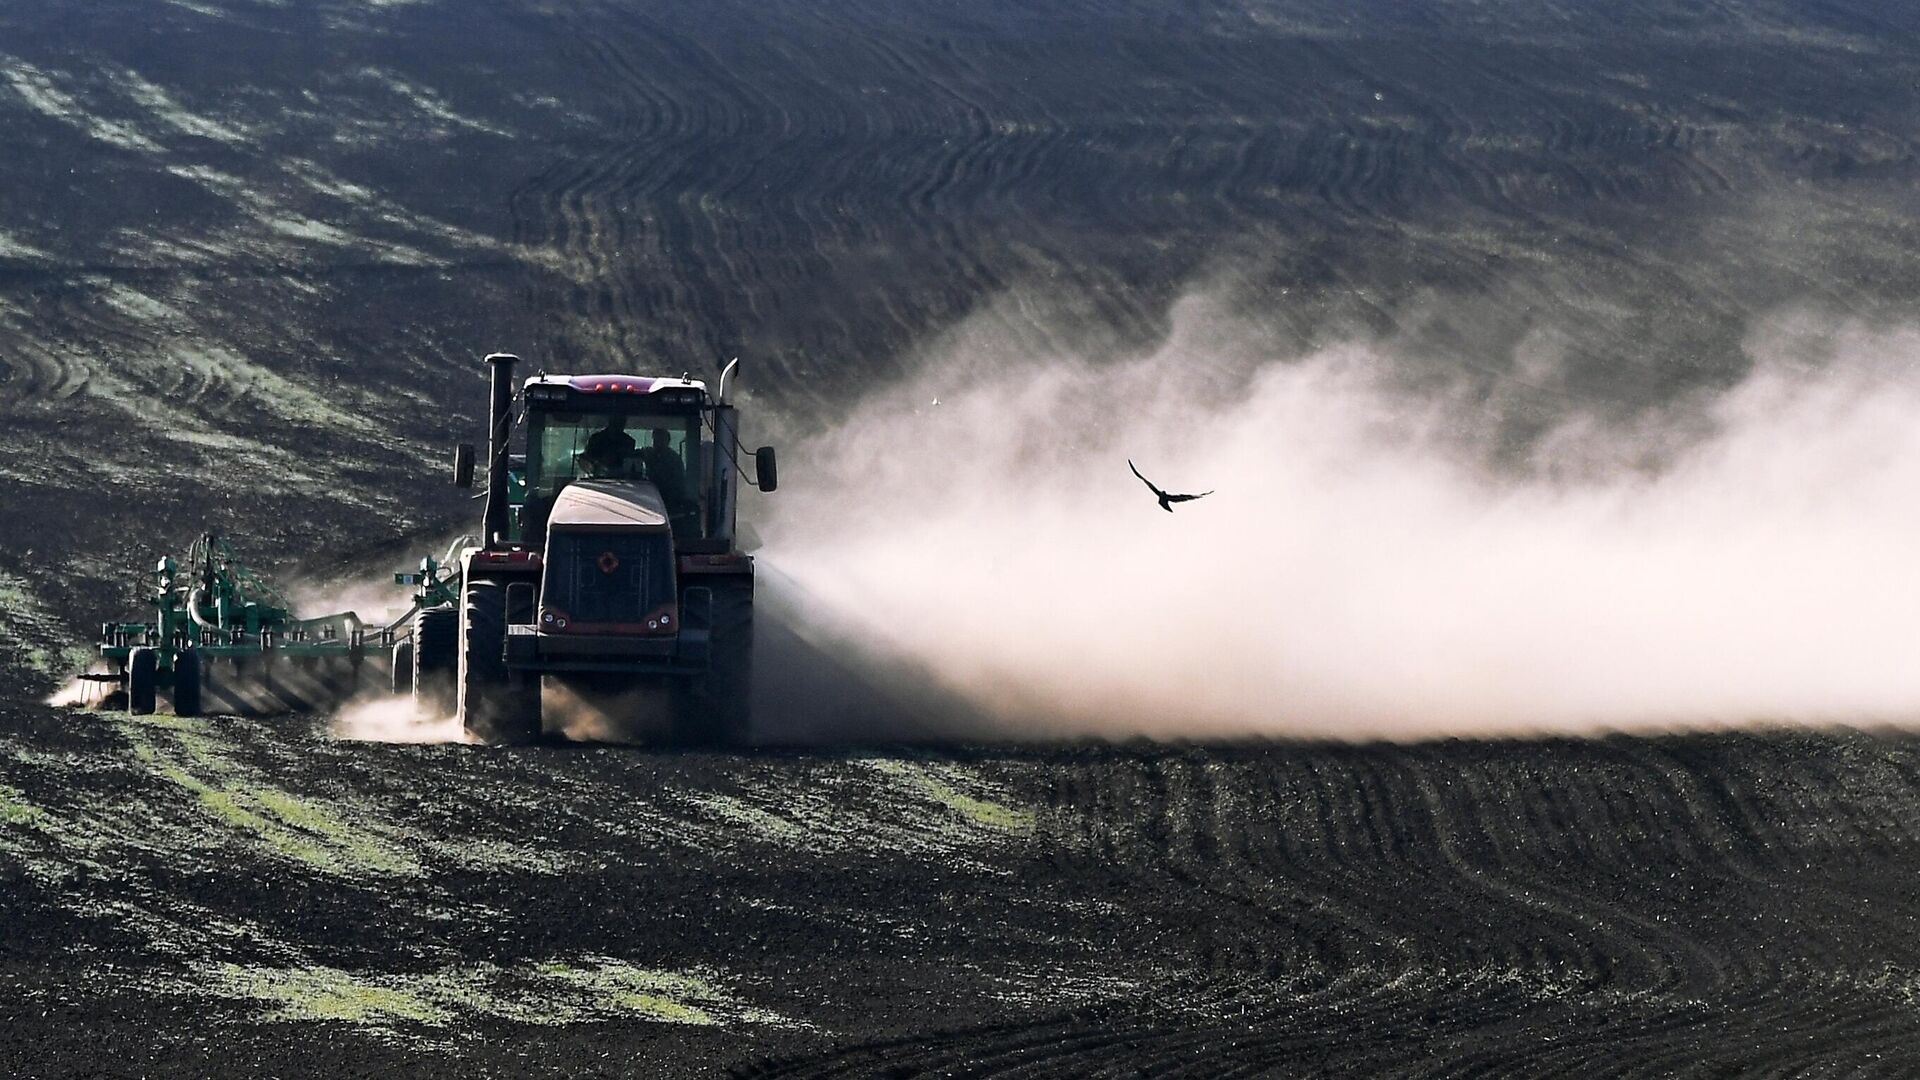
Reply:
x=366, y=588
x=580, y=710
x=79, y=693
x=1375, y=562
x=392, y=720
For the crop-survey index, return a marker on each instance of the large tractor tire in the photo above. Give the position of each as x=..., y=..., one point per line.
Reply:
x=436, y=661
x=402, y=667
x=188, y=677
x=143, y=680
x=716, y=709
x=496, y=706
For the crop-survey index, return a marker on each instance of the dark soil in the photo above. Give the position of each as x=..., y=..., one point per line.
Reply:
x=233, y=897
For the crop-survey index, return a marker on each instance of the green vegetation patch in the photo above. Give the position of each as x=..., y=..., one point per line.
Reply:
x=169, y=722
x=294, y=827
x=665, y=996
x=337, y=836
x=496, y=855
x=943, y=786
x=324, y=993
x=757, y=820
x=591, y=989
x=15, y=810
x=914, y=806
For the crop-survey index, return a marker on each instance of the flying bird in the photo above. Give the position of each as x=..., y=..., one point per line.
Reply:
x=1166, y=500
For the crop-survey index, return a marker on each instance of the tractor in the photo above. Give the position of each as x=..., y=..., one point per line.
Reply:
x=607, y=566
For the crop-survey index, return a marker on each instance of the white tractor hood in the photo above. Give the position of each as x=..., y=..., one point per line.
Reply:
x=608, y=504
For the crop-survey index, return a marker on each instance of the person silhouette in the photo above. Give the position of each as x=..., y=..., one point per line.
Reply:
x=608, y=448
x=665, y=469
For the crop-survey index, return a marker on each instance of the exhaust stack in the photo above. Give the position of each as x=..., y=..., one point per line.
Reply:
x=499, y=430
x=726, y=455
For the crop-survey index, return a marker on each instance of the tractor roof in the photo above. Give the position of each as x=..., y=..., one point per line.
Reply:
x=616, y=384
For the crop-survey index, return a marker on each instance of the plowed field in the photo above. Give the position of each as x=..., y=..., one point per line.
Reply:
x=235, y=897
x=250, y=252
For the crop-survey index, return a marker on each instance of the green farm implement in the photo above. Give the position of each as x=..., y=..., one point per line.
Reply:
x=220, y=638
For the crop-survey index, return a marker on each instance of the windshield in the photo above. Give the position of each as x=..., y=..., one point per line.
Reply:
x=661, y=447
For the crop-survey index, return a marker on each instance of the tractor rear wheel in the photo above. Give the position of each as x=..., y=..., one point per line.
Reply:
x=402, y=667
x=496, y=706
x=187, y=679
x=143, y=677
x=436, y=661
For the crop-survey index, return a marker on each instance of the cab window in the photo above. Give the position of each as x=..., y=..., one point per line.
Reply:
x=661, y=448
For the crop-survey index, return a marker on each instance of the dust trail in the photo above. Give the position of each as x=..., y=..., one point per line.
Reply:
x=582, y=710
x=375, y=600
x=365, y=586
x=77, y=693
x=393, y=720
x=1375, y=563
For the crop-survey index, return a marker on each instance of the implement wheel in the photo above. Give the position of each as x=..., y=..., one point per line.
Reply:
x=403, y=667
x=436, y=661
x=496, y=706
x=143, y=677
x=187, y=680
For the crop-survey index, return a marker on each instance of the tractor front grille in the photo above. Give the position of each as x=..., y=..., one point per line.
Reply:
x=606, y=579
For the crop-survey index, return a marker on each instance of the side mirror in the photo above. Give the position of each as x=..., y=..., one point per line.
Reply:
x=766, y=471
x=463, y=465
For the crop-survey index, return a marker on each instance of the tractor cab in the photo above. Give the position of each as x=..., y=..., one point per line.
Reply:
x=618, y=428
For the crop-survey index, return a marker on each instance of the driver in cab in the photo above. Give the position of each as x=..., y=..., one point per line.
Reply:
x=607, y=450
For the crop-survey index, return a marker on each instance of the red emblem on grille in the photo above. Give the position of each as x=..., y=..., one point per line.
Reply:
x=609, y=562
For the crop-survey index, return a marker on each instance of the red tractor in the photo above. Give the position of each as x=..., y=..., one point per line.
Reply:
x=608, y=567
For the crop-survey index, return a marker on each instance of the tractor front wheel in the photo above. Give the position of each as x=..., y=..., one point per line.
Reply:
x=715, y=709
x=497, y=706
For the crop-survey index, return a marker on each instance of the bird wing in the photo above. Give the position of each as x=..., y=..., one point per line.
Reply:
x=1188, y=498
x=1144, y=480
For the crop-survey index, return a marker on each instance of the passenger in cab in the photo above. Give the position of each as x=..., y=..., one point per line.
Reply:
x=668, y=472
